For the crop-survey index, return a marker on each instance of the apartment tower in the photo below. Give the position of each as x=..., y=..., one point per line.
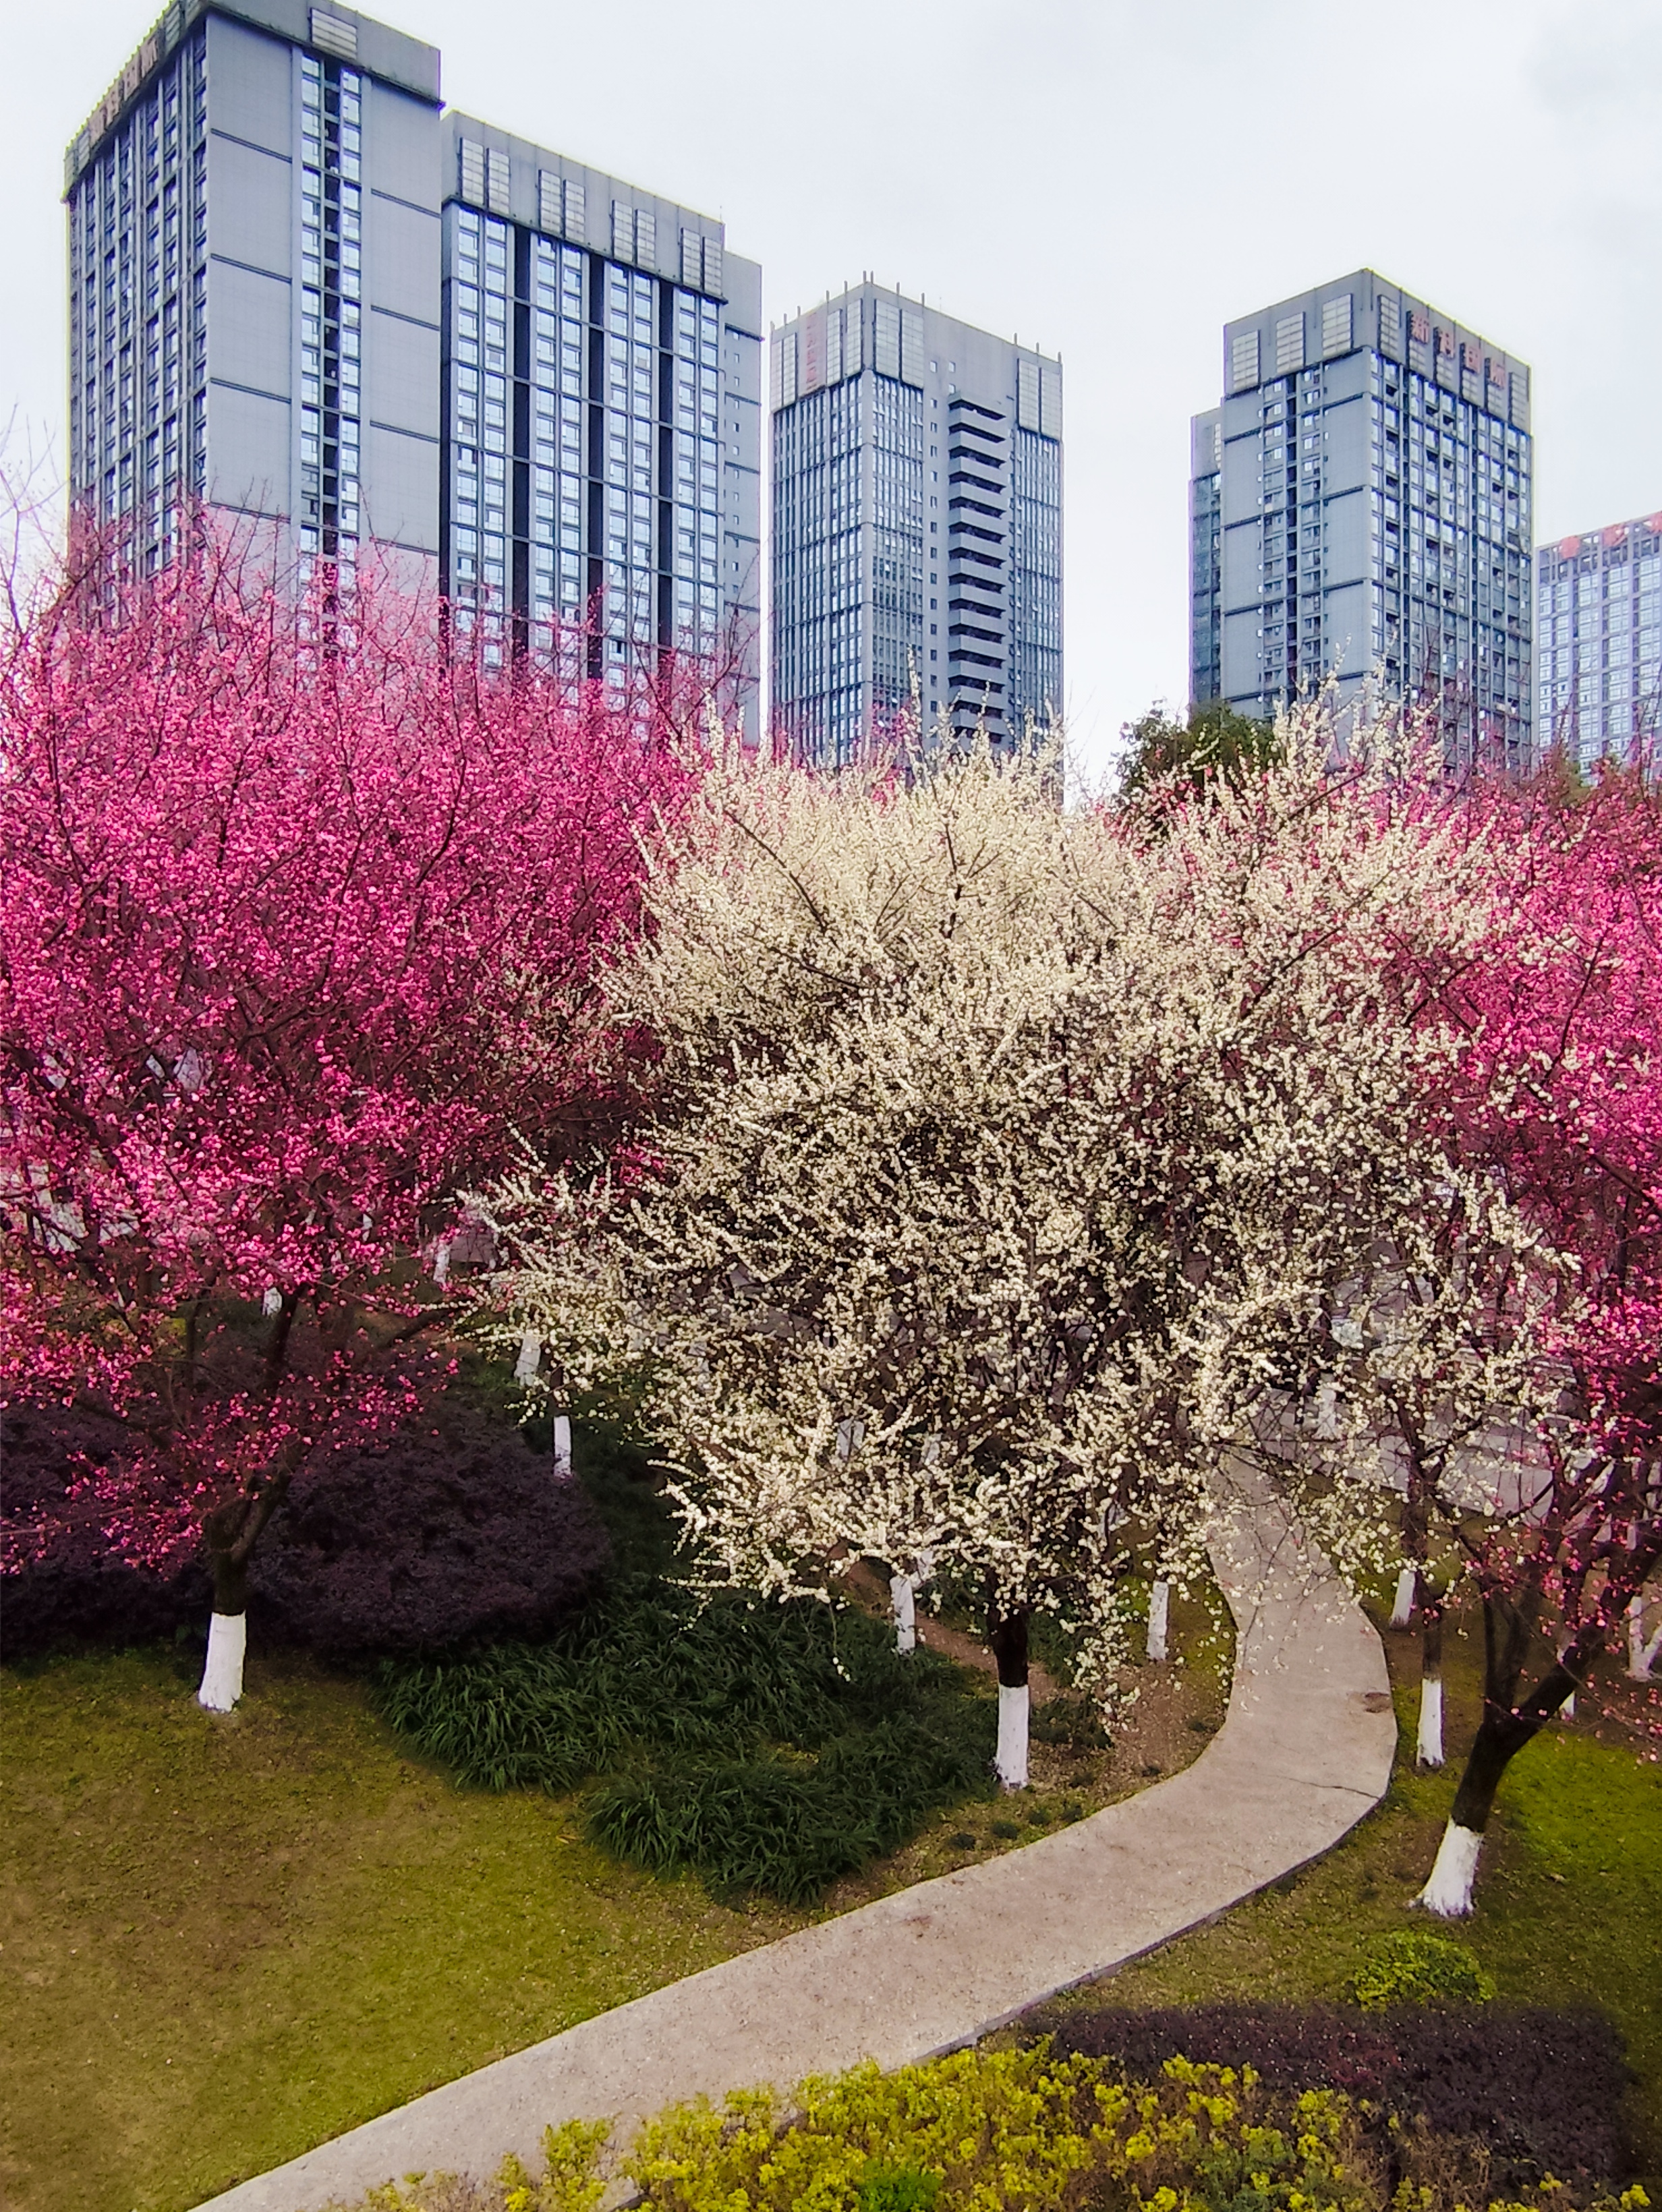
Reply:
x=253, y=286
x=306, y=299
x=1598, y=627
x=1367, y=480
x=602, y=388
x=916, y=555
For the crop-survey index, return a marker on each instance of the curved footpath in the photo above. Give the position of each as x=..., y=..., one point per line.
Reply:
x=1306, y=1750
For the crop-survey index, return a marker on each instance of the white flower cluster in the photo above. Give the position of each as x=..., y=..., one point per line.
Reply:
x=1005, y=1158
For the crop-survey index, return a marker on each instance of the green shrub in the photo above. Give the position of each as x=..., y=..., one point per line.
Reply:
x=897, y=2188
x=774, y=1747
x=791, y=1825
x=992, y=2130
x=1411, y=1967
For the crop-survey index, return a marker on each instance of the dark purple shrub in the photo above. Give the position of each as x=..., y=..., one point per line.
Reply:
x=451, y=1535
x=457, y=1532
x=1541, y=2091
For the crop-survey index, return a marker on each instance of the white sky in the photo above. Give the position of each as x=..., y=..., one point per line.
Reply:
x=1109, y=179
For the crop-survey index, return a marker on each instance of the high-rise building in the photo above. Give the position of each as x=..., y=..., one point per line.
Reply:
x=304, y=298
x=1373, y=493
x=602, y=379
x=254, y=284
x=1205, y=552
x=1598, y=627
x=917, y=555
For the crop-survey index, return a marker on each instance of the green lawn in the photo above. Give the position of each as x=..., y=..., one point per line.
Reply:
x=225, y=1941
x=1569, y=1894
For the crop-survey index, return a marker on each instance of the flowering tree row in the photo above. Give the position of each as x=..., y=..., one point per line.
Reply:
x=971, y=1178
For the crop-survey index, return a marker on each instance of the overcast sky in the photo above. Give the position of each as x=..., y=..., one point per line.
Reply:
x=1107, y=179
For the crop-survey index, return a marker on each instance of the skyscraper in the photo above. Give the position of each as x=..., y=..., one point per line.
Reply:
x=1205, y=552
x=602, y=376
x=916, y=549
x=254, y=284
x=304, y=297
x=1600, y=655
x=1374, y=499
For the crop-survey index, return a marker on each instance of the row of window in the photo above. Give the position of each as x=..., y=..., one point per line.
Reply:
x=596, y=508
x=330, y=310
x=137, y=296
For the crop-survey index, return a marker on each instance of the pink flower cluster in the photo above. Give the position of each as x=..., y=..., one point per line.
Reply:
x=299, y=927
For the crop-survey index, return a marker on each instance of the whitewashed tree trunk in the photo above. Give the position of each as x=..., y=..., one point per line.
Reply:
x=441, y=1262
x=1159, y=1614
x=1428, y=1746
x=1401, y=1611
x=1641, y=1655
x=271, y=1301
x=222, y=1674
x=902, y=1603
x=1010, y=1761
x=530, y=1358
x=1448, y=1892
x=561, y=1448
x=1567, y=1711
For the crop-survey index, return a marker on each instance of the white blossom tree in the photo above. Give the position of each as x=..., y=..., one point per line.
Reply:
x=991, y=1172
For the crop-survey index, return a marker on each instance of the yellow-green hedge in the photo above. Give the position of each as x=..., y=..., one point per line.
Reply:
x=981, y=2131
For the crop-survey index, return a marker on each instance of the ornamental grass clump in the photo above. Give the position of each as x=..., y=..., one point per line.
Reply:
x=765, y=1747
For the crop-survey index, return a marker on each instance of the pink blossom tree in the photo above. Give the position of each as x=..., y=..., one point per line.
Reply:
x=299, y=920
x=1559, y=1106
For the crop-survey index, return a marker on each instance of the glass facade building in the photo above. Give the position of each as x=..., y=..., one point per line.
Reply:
x=1598, y=631
x=250, y=227
x=916, y=547
x=306, y=299
x=1206, y=555
x=601, y=375
x=1373, y=502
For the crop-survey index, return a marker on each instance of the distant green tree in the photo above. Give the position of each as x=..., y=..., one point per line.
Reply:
x=1213, y=741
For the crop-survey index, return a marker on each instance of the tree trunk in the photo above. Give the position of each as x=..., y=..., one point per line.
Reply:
x=561, y=1447
x=1159, y=1614
x=1401, y=1611
x=228, y=1629
x=1505, y=1729
x=902, y=1603
x=1006, y=1632
x=1429, y=1748
x=1641, y=1655
x=230, y=1533
x=222, y=1670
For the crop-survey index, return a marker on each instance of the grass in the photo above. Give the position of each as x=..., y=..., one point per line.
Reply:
x=1568, y=1900
x=224, y=1942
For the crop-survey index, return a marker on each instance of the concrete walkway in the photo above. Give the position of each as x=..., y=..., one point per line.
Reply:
x=1306, y=1750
